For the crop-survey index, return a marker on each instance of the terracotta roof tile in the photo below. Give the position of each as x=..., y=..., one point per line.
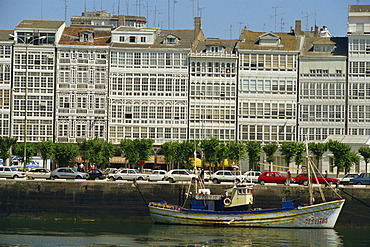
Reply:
x=71, y=36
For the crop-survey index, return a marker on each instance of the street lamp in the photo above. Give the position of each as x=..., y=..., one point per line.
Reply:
x=26, y=43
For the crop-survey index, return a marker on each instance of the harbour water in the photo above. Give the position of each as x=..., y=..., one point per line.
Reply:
x=72, y=232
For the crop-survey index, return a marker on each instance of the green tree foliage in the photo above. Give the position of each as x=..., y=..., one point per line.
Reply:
x=184, y=152
x=5, y=144
x=96, y=151
x=136, y=150
x=209, y=147
x=221, y=154
x=349, y=160
x=270, y=150
x=342, y=154
x=254, y=153
x=288, y=149
x=30, y=151
x=300, y=149
x=365, y=153
x=169, y=150
x=65, y=153
x=46, y=149
x=237, y=151
x=317, y=149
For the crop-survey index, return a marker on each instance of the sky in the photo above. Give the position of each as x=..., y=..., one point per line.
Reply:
x=220, y=18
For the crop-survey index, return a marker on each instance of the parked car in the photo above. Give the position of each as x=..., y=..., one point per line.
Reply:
x=272, y=177
x=110, y=170
x=156, y=175
x=226, y=176
x=11, y=172
x=127, y=174
x=346, y=179
x=363, y=178
x=179, y=175
x=38, y=173
x=303, y=179
x=252, y=176
x=95, y=174
x=66, y=172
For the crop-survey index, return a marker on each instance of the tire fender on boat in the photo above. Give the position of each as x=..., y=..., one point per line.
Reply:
x=227, y=201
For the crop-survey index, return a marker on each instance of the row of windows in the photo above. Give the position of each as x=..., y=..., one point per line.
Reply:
x=83, y=54
x=267, y=133
x=82, y=101
x=37, y=130
x=86, y=129
x=213, y=67
x=318, y=134
x=359, y=91
x=206, y=133
x=4, y=123
x=252, y=61
x=267, y=110
x=4, y=98
x=322, y=113
x=221, y=89
x=35, y=38
x=121, y=83
x=323, y=90
x=4, y=73
x=5, y=51
x=359, y=113
x=268, y=85
x=117, y=133
x=137, y=59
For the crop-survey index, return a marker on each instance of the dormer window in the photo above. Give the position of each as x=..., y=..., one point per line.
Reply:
x=132, y=39
x=269, y=39
x=324, y=45
x=171, y=39
x=86, y=36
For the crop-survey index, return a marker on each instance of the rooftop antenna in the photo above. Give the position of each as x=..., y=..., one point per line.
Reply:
x=306, y=17
x=173, y=15
x=168, y=13
x=127, y=6
x=101, y=4
x=200, y=11
x=275, y=15
x=138, y=8
x=85, y=7
x=94, y=6
x=240, y=25
x=231, y=31
x=65, y=10
x=118, y=7
x=41, y=9
x=282, y=23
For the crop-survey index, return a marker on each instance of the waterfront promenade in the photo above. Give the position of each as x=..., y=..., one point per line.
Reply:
x=122, y=200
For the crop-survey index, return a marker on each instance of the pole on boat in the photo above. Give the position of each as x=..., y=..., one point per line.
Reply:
x=311, y=199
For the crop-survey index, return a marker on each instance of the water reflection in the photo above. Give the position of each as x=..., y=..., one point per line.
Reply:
x=114, y=233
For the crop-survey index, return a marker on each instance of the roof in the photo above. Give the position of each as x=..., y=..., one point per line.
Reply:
x=4, y=35
x=250, y=39
x=359, y=8
x=71, y=36
x=228, y=44
x=341, y=46
x=37, y=24
x=350, y=139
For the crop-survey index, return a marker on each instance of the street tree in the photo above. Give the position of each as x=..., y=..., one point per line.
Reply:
x=221, y=154
x=340, y=151
x=288, y=149
x=46, y=149
x=317, y=149
x=365, y=153
x=5, y=144
x=65, y=153
x=237, y=151
x=96, y=151
x=209, y=147
x=30, y=151
x=169, y=150
x=270, y=149
x=183, y=153
x=254, y=153
x=300, y=149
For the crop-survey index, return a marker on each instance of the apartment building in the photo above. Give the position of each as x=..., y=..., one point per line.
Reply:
x=33, y=79
x=359, y=70
x=148, y=83
x=267, y=91
x=322, y=86
x=6, y=50
x=213, y=90
x=81, y=93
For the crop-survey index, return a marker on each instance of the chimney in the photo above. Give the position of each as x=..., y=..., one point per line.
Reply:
x=197, y=23
x=298, y=27
x=316, y=33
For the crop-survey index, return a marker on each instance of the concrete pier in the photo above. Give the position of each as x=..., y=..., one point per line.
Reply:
x=122, y=200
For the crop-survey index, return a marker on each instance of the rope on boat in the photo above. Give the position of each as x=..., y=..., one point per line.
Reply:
x=137, y=187
x=355, y=198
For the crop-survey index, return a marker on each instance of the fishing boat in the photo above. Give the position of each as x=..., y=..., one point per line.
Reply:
x=235, y=208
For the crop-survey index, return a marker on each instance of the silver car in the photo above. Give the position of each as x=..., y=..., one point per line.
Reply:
x=11, y=172
x=127, y=174
x=179, y=175
x=65, y=172
x=38, y=173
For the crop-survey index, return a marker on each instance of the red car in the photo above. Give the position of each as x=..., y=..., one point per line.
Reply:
x=272, y=177
x=303, y=179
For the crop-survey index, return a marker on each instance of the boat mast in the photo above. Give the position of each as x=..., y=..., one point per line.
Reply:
x=309, y=168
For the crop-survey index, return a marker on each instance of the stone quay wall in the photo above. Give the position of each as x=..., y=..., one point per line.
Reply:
x=124, y=201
